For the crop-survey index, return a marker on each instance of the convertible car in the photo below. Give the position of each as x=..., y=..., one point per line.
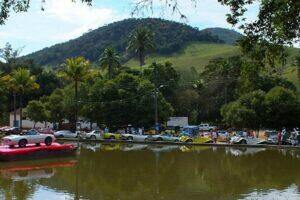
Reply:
x=29, y=137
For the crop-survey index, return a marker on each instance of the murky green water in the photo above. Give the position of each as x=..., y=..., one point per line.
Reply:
x=137, y=172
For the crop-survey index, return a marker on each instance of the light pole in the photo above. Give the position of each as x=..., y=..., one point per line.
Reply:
x=156, y=107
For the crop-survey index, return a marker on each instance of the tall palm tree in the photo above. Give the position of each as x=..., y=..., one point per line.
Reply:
x=110, y=60
x=22, y=82
x=140, y=41
x=76, y=69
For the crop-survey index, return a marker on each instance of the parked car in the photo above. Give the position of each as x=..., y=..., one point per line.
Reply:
x=11, y=130
x=190, y=131
x=29, y=137
x=134, y=137
x=112, y=136
x=197, y=139
x=65, y=134
x=94, y=135
x=164, y=137
x=206, y=127
x=242, y=138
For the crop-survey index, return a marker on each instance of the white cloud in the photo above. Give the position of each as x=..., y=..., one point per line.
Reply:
x=62, y=20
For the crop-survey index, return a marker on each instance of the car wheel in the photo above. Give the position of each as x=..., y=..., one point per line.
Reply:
x=112, y=137
x=189, y=141
x=22, y=143
x=37, y=144
x=48, y=141
x=159, y=139
x=130, y=138
x=176, y=141
x=93, y=137
x=61, y=136
x=243, y=142
x=11, y=146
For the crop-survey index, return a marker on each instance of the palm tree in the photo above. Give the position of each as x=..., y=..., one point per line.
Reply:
x=140, y=41
x=22, y=82
x=76, y=69
x=110, y=59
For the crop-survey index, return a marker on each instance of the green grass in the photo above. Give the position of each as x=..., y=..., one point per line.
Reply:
x=198, y=55
x=195, y=55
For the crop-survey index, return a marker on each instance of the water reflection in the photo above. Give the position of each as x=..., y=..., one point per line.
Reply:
x=137, y=171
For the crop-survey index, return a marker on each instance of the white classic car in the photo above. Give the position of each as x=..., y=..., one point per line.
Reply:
x=242, y=138
x=94, y=135
x=164, y=137
x=29, y=137
x=65, y=134
x=134, y=137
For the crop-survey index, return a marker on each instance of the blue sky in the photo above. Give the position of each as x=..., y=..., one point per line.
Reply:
x=63, y=20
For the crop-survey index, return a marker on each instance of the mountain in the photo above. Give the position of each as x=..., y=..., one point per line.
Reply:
x=228, y=36
x=170, y=37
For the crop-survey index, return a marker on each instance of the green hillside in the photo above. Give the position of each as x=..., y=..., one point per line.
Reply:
x=197, y=55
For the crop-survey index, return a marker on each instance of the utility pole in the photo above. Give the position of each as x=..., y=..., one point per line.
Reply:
x=156, y=110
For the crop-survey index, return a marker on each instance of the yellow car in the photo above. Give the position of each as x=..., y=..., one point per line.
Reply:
x=111, y=136
x=197, y=139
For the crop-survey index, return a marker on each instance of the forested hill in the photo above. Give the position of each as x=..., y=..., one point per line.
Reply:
x=169, y=36
x=227, y=35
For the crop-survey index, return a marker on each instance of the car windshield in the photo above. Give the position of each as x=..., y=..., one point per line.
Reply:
x=31, y=132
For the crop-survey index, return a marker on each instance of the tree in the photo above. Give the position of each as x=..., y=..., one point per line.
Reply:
x=140, y=41
x=55, y=106
x=110, y=60
x=76, y=69
x=236, y=115
x=163, y=75
x=126, y=99
x=22, y=82
x=297, y=65
x=9, y=55
x=36, y=112
x=282, y=108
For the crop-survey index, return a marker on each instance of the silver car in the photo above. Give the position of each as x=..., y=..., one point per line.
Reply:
x=65, y=134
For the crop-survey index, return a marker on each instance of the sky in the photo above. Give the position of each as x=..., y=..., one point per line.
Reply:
x=63, y=20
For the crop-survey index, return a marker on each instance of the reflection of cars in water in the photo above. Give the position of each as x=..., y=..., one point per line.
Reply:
x=242, y=138
x=162, y=148
x=111, y=147
x=134, y=137
x=134, y=147
x=29, y=137
x=65, y=134
x=28, y=175
x=33, y=170
x=91, y=146
x=243, y=151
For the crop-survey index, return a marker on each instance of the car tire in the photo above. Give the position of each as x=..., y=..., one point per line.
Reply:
x=159, y=139
x=11, y=146
x=37, y=144
x=22, y=143
x=112, y=137
x=48, y=141
x=130, y=138
x=189, y=141
x=61, y=136
x=243, y=142
x=176, y=141
x=93, y=137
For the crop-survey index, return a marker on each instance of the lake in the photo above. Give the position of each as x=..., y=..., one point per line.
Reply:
x=136, y=171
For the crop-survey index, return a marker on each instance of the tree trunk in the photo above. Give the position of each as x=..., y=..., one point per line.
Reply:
x=21, y=110
x=142, y=58
x=110, y=72
x=15, y=109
